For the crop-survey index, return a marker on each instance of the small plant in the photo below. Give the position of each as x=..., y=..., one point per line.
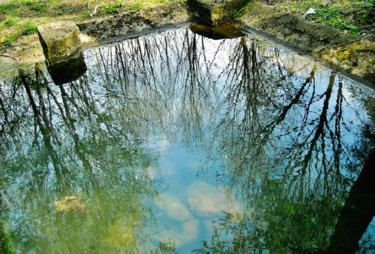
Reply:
x=10, y=21
x=135, y=7
x=365, y=4
x=333, y=17
x=111, y=9
x=39, y=7
x=29, y=28
x=10, y=39
x=86, y=14
x=8, y=7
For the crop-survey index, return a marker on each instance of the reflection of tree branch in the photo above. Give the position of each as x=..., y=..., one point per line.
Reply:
x=319, y=130
x=44, y=127
x=269, y=129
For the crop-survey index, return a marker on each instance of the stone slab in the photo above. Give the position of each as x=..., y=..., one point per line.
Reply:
x=60, y=40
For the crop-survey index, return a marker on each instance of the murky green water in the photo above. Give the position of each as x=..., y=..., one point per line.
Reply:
x=173, y=142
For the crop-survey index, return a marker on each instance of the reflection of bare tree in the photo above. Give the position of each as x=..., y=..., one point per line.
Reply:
x=162, y=81
x=61, y=138
x=294, y=153
x=283, y=135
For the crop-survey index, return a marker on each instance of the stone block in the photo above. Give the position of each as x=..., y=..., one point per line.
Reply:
x=60, y=41
x=215, y=12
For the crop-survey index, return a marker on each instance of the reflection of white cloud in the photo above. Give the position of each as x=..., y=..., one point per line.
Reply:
x=158, y=144
x=206, y=200
x=190, y=230
x=173, y=207
x=177, y=236
x=187, y=227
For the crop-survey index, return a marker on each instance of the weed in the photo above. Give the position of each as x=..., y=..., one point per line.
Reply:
x=10, y=21
x=135, y=7
x=9, y=7
x=10, y=39
x=39, y=7
x=29, y=28
x=244, y=9
x=365, y=4
x=333, y=17
x=110, y=9
x=113, y=8
x=86, y=14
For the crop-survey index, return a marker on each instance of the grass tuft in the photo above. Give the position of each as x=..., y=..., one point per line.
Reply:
x=10, y=21
x=29, y=28
x=334, y=17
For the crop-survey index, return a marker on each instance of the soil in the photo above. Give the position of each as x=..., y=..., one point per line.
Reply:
x=351, y=54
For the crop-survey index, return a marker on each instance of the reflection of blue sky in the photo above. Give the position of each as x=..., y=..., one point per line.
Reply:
x=190, y=204
x=367, y=243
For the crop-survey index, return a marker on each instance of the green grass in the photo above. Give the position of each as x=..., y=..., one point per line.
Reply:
x=334, y=17
x=113, y=8
x=135, y=7
x=8, y=8
x=344, y=15
x=10, y=39
x=29, y=28
x=39, y=7
x=10, y=21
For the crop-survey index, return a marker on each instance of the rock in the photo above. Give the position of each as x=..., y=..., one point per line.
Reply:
x=60, y=41
x=309, y=12
x=7, y=65
x=216, y=12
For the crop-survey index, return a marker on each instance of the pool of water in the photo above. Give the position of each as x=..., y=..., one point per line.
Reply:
x=177, y=143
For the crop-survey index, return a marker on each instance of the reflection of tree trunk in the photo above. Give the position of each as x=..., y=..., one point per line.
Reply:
x=323, y=122
x=357, y=213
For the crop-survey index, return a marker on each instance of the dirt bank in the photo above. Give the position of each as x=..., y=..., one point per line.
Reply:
x=350, y=54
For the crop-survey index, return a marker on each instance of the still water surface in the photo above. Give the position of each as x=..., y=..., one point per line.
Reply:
x=173, y=142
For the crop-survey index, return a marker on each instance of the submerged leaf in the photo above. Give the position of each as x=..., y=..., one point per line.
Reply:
x=69, y=203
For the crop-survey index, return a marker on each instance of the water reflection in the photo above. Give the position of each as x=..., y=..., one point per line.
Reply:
x=67, y=71
x=175, y=142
